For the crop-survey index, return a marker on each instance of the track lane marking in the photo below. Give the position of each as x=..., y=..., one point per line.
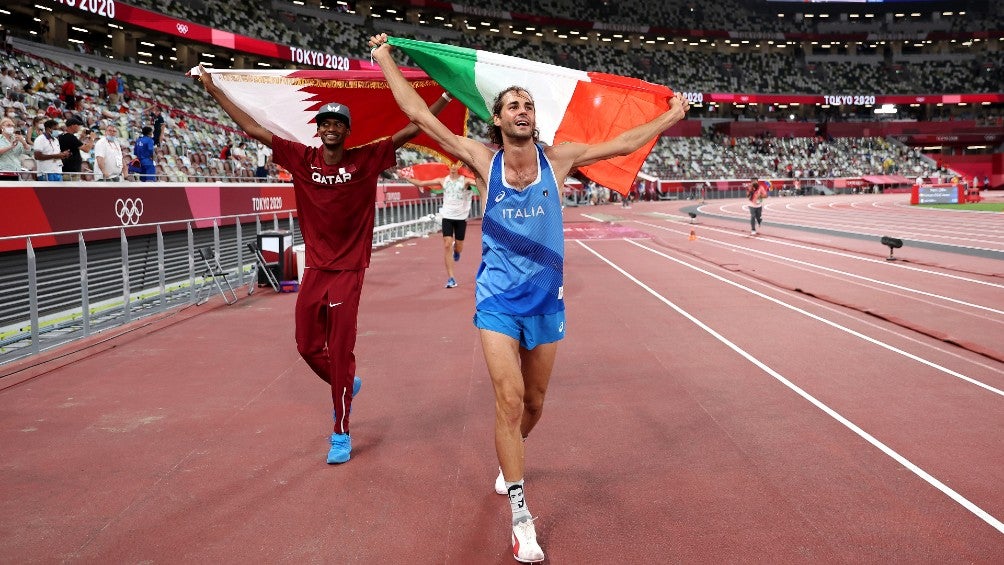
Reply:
x=924, y=475
x=846, y=256
x=831, y=323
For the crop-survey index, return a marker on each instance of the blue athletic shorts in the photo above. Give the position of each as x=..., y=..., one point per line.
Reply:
x=531, y=331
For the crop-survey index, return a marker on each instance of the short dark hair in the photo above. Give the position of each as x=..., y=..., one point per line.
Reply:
x=49, y=124
x=147, y=130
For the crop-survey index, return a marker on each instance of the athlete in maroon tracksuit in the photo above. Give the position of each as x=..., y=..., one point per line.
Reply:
x=335, y=195
x=335, y=205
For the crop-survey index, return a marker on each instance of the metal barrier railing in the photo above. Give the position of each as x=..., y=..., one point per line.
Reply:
x=117, y=288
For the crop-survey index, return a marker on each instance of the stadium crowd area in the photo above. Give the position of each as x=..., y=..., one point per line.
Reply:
x=194, y=131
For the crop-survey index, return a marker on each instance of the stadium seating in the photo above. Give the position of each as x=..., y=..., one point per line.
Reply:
x=196, y=129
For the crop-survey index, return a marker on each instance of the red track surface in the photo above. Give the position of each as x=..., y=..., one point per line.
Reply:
x=790, y=398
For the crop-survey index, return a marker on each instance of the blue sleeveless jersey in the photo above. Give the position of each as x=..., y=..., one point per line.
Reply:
x=522, y=244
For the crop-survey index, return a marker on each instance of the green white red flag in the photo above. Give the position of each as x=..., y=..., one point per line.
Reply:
x=571, y=105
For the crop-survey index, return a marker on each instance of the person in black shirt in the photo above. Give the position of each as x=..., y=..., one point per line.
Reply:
x=158, y=124
x=68, y=141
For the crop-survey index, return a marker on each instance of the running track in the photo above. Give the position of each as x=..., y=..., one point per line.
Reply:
x=789, y=398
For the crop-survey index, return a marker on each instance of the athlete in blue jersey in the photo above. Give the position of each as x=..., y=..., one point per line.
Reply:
x=522, y=246
x=520, y=308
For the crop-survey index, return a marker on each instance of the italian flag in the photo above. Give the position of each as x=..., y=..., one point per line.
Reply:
x=571, y=105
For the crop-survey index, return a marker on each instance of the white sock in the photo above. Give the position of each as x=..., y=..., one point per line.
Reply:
x=517, y=503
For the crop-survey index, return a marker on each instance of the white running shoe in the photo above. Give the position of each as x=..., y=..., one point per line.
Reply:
x=500, y=483
x=524, y=543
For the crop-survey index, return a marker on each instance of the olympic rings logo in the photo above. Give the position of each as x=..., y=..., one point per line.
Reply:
x=182, y=28
x=129, y=210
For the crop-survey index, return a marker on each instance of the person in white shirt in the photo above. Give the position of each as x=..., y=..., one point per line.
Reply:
x=48, y=156
x=108, y=156
x=264, y=158
x=12, y=146
x=458, y=193
x=238, y=153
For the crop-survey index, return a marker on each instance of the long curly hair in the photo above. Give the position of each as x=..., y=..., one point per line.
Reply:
x=494, y=131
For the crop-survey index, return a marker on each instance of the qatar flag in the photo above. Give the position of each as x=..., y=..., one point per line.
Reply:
x=285, y=102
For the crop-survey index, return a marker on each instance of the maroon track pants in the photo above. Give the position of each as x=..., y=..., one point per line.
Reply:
x=327, y=306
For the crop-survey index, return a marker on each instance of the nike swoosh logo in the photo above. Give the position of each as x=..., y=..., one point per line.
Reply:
x=333, y=304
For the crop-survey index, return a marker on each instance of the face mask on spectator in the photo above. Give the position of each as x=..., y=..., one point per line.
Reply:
x=8, y=131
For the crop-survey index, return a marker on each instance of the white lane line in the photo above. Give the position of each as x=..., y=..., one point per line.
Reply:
x=963, y=501
x=911, y=231
x=848, y=256
x=831, y=323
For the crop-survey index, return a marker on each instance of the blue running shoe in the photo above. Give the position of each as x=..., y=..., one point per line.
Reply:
x=456, y=256
x=451, y=282
x=341, y=449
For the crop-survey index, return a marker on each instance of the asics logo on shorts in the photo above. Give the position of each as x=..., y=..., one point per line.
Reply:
x=129, y=210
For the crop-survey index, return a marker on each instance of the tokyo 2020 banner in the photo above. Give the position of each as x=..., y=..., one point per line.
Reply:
x=54, y=214
x=124, y=13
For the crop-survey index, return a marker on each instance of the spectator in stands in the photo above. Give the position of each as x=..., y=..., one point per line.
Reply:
x=53, y=110
x=157, y=119
x=36, y=129
x=70, y=142
x=238, y=153
x=108, y=160
x=520, y=328
x=48, y=155
x=337, y=227
x=40, y=86
x=13, y=146
x=112, y=91
x=264, y=159
x=120, y=87
x=756, y=195
x=11, y=86
x=68, y=94
x=144, y=152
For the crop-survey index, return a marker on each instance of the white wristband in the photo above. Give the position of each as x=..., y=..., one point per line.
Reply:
x=447, y=97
